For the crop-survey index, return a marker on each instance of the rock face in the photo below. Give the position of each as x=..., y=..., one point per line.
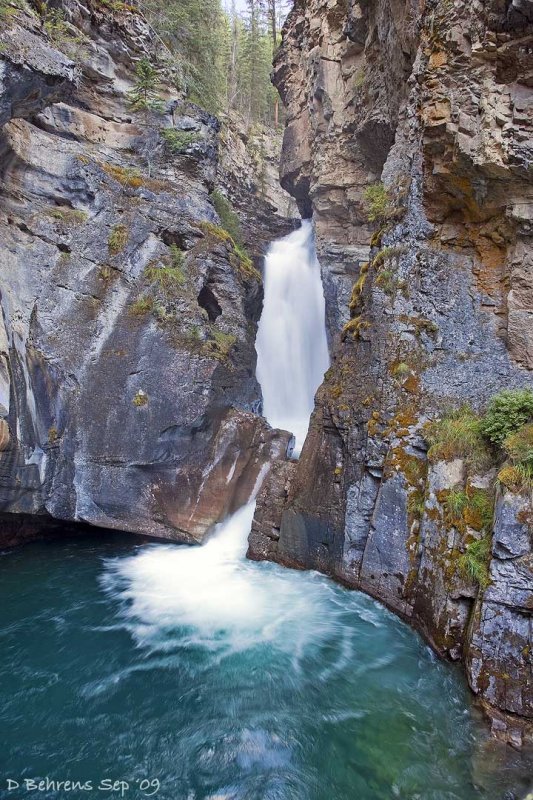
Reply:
x=127, y=360
x=429, y=290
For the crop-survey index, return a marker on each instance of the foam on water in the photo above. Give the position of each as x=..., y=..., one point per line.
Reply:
x=211, y=596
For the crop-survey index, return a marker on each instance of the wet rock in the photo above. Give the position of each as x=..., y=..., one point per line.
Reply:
x=436, y=292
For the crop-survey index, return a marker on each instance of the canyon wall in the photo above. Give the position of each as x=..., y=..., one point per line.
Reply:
x=128, y=396
x=428, y=278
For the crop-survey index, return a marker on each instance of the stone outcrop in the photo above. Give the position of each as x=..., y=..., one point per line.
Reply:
x=128, y=396
x=428, y=286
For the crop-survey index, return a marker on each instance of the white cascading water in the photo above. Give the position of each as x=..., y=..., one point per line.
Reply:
x=292, y=349
x=222, y=599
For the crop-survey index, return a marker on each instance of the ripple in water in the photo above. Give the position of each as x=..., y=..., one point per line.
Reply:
x=226, y=679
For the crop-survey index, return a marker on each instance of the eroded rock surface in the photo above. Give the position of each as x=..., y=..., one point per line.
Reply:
x=127, y=360
x=431, y=105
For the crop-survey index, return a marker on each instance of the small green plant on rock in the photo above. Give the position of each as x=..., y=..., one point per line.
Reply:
x=143, y=305
x=118, y=239
x=475, y=561
x=506, y=413
x=144, y=95
x=168, y=279
x=178, y=141
x=517, y=472
x=458, y=434
x=60, y=32
x=221, y=344
x=70, y=216
x=377, y=204
x=140, y=399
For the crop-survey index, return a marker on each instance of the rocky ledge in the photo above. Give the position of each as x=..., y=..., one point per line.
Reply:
x=408, y=136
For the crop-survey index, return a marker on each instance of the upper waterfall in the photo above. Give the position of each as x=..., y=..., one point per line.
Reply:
x=292, y=350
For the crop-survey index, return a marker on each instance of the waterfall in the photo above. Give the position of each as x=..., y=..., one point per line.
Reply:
x=292, y=350
x=213, y=588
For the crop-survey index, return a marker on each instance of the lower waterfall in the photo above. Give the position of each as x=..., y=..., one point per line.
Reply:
x=187, y=673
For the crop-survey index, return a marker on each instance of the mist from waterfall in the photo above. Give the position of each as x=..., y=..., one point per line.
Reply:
x=291, y=344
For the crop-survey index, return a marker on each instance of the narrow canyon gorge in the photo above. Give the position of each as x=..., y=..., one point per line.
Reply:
x=157, y=372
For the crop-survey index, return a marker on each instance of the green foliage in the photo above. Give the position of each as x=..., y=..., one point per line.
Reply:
x=376, y=202
x=60, y=32
x=69, y=216
x=506, y=413
x=118, y=238
x=127, y=176
x=475, y=562
x=144, y=95
x=167, y=279
x=472, y=507
x=458, y=434
x=228, y=217
x=401, y=369
x=178, y=141
x=224, y=58
x=517, y=473
x=241, y=259
x=8, y=9
x=221, y=344
x=143, y=305
x=140, y=399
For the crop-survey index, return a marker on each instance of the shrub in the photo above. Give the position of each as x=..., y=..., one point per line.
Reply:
x=118, y=239
x=506, y=413
x=144, y=94
x=60, y=32
x=517, y=473
x=178, y=141
x=475, y=562
x=458, y=435
x=376, y=203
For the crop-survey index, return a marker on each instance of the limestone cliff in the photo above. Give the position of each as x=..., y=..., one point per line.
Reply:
x=409, y=138
x=127, y=361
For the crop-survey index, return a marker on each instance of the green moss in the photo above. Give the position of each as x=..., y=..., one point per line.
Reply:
x=506, y=413
x=401, y=369
x=354, y=326
x=118, y=238
x=178, y=141
x=471, y=507
x=241, y=259
x=357, y=289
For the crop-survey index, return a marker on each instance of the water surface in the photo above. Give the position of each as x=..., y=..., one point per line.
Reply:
x=224, y=679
